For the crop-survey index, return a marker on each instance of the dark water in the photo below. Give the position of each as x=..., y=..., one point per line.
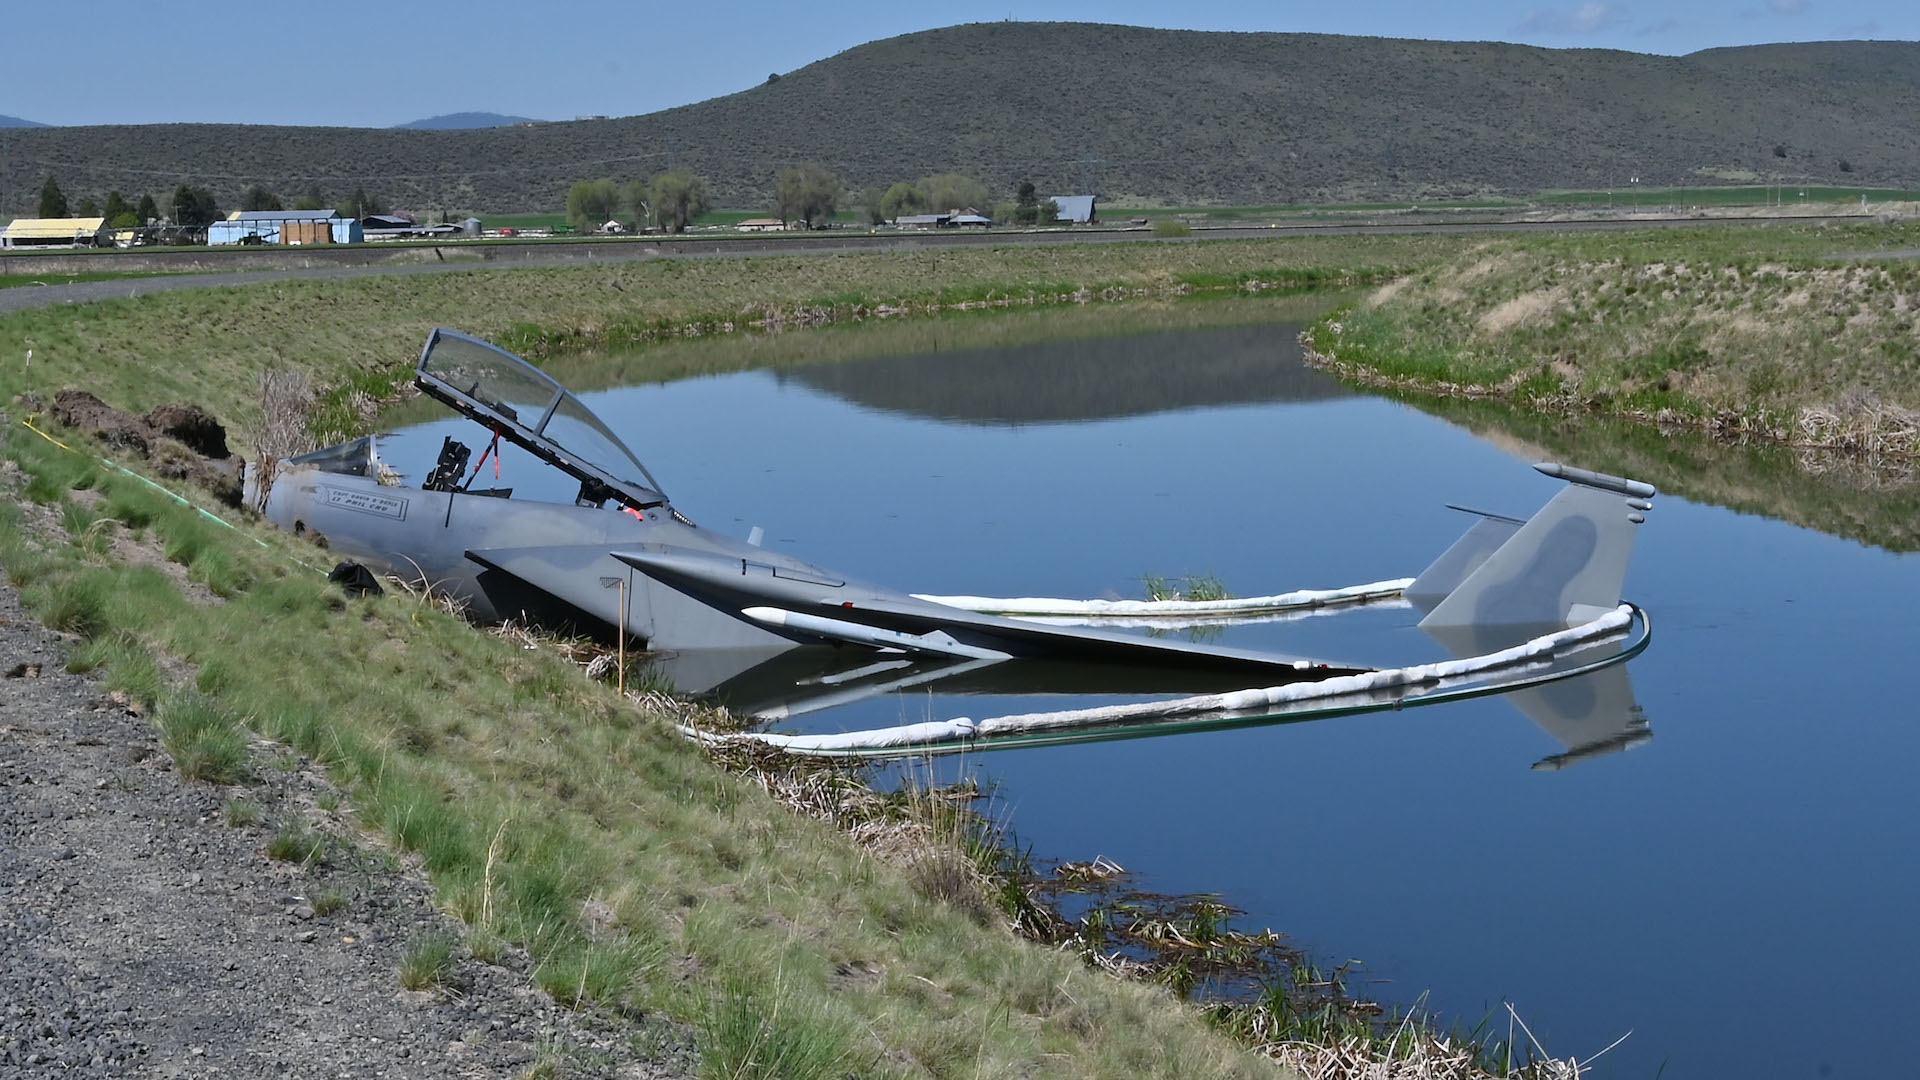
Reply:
x=1738, y=892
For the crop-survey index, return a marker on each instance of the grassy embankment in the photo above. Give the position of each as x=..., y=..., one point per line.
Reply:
x=552, y=814
x=1748, y=333
x=549, y=812
x=359, y=337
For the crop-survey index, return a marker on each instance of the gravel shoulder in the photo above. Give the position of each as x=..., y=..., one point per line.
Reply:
x=141, y=934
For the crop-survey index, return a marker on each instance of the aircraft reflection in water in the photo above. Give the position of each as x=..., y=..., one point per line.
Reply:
x=1590, y=715
x=1531, y=607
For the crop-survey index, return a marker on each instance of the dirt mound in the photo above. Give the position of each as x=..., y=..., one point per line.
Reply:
x=82, y=411
x=194, y=427
x=183, y=442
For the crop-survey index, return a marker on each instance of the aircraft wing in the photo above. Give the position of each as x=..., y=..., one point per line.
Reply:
x=815, y=608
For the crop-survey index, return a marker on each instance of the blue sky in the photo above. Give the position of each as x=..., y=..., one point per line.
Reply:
x=376, y=64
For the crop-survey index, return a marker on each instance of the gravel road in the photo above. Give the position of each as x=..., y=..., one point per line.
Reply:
x=141, y=935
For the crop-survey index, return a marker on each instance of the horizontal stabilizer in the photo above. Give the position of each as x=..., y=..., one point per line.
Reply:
x=588, y=575
x=570, y=572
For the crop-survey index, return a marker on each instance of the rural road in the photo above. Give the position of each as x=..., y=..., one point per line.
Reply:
x=20, y=298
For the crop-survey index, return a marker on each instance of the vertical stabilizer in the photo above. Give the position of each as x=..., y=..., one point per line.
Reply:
x=1566, y=565
x=1480, y=541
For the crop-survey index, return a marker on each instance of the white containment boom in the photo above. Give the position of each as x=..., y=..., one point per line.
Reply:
x=1563, y=566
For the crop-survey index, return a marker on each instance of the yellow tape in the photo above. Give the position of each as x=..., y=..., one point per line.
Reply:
x=48, y=437
x=174, y=495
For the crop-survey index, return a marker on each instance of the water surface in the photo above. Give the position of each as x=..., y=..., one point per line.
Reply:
x=1687, y=890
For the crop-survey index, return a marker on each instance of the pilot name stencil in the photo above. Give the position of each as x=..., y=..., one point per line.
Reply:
x=368, y=503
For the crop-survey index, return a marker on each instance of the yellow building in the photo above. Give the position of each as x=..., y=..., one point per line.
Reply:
x=52, y=232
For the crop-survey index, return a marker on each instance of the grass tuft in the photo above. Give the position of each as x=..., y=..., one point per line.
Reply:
x=295, y=843
x=204, y=740
x=594, y=972
x=1195, y=587
x=74, y=605
x=746, y=1036
x=242, y=812
x=427, y=963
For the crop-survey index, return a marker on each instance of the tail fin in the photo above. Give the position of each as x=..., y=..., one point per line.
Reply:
x=1481, y=540
x=1565, y=565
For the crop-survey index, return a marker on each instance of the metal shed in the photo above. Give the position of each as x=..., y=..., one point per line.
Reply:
x=52, y=232
x=285, y=227
x=1075, y=208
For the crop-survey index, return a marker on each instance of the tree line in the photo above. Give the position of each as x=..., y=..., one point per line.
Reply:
x=956, y=192
x=806, y=193
x=672, y=199
x=192, y=205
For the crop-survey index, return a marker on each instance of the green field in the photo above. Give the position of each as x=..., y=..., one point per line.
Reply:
x=522, y=221
x=721, y=218
x=14, y=281
x=1737, y=195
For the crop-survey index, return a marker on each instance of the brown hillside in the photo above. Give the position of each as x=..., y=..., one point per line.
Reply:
x=1173, y=116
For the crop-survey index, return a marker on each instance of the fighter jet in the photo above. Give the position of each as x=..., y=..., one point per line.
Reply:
x=621, y=558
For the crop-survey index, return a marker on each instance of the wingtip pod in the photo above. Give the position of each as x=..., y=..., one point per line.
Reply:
x=1604, y=482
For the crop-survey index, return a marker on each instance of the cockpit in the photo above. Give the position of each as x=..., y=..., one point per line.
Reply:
x=521, y=404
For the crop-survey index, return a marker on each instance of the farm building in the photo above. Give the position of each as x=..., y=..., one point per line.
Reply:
x=762, y=224
x=52, y=232
x=952, y=219
x=301, y=227
x=389, y=226
x=1076, y=208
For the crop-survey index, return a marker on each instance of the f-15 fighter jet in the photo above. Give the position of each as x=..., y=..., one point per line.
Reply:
x=694, y=592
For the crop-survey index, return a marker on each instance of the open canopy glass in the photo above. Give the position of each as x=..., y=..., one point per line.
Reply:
x=513, y=398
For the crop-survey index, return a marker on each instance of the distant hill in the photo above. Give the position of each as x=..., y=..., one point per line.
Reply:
x=464, y=121
x=1169, y=115
x=16, y=122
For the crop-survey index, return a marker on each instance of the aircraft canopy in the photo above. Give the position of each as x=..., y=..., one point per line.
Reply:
x=509, y=396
